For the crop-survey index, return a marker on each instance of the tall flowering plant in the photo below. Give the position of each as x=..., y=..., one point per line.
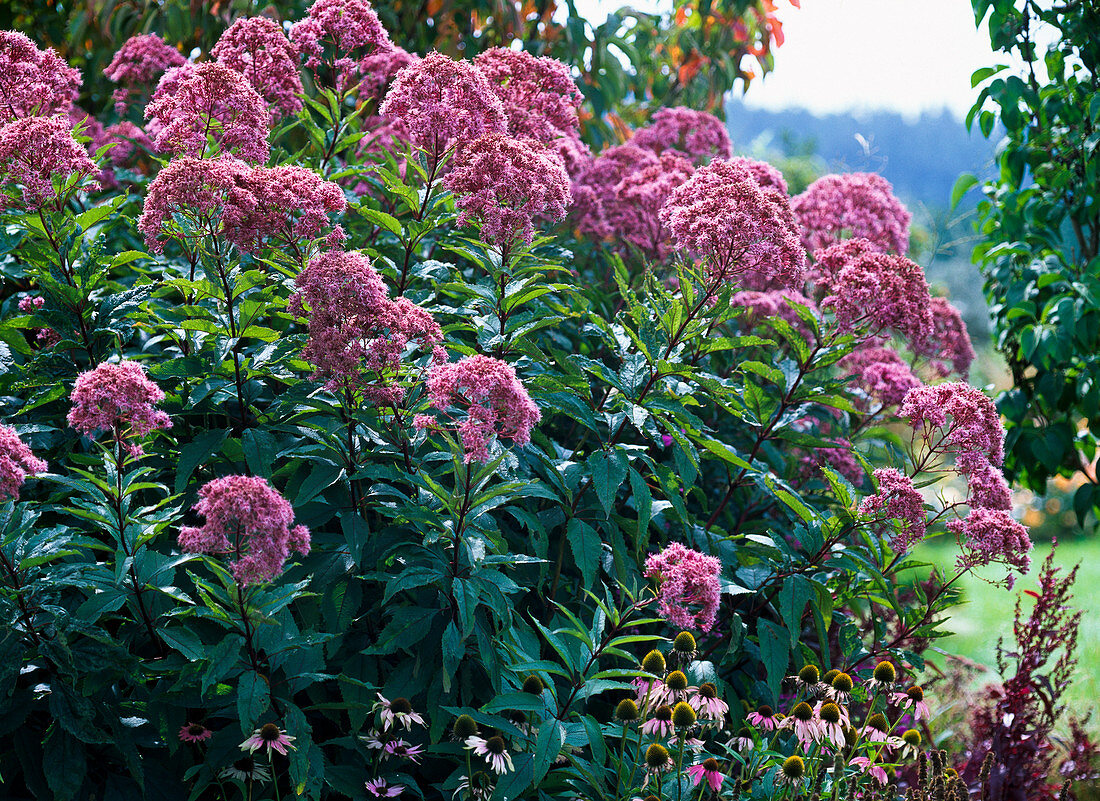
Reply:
x=400, y=422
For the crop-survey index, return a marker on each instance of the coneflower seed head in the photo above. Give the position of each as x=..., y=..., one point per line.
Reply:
x=683, y=715
x=654, y=663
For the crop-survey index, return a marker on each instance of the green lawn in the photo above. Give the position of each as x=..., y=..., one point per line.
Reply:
x=987, y=612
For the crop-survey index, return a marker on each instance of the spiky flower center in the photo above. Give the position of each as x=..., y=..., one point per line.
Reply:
x=626, y=710
x=533, y=685
x=877, y=721
x=656, y=756
x=684, y=642
x=654, y=663
x=676, y=681
x=885, y=672
x=745, y=733
x=809, y=675
x=710, y=764
x=517, y=717
x=830, y=675
x=663, y=713
x=269, y=732
x=196, y=729
x=915, y=694
x=683, y=715
x=911, y=737
x=803, y=712
x=794, y=767
x=708, y=691
x=765, y=711
x=830, y=713
x=400, y=706
x=465, y=727
x=842, y=682
x=495, y=745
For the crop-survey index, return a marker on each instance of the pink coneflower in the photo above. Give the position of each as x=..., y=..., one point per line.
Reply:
x=831, y=722
x=764, y=718
x=379, y=789
x=657, y=761
x=268, y=736
x=877, y=772
x=660, y=725
x=245, y=769
x=913, y=699
x=876, y=727
x=707, y=769
x=399, y=710
x=494, y=752
x=403, y=750
x=706, y=702
x=743, y=741
x=805, y=724
x=194, y=733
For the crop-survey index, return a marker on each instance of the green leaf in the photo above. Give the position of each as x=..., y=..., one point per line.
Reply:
x=795, y=593
x=197, y=452
x=963, y=184
x=453, y=651
x=253, y=699
x=586, y=546
x=775, y=650
x=547, y=747
x=608, y=474
x=259, y=451
x=64, y=763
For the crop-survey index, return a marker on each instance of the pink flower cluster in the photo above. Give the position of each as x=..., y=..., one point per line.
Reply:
x=765, y=174
x=380, y=67
x=337, y=34
x=744, y=232
x=839, y=457
x=881, y=375
x=440, y=102
x=956, y=418
x=38, y=152
x=257, y=48
x=875, y=292
x=855, y=204
x=117, y=397
x=127, y=138
x=694, y=135
x=640, y=197
x=355, y=330
x=138, y=64
x=539, y=96
x=250, y=206
x=898, y=499
x=197, y=102
x=505, y=184
x=247, y=517
x=688, y=590
x=32, y=81
x=948, y=347
x=16, y=463
x=496, y=403
x=596, y=203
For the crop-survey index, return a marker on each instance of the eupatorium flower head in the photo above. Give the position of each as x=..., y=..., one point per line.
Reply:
x=539, y=95
x=595, y=201
x=744, y=232
x=357, y=335
x=290, y=207
x=495, y=401
x=196, y=102
x=975, y=428
x=441, y=102
x=948, y=347
x=117, y=397
x=337, y=33
x=635, y=217
x=898, y=499
x=505, y=184
x=16, y=463
x=257, y=48
x=991, y=535
x=248, y=518
x=762, y=306
x=695, y=135
x=854, y=204
x=380, y=67
x=35, y=154
x=32, y=81
x=688, y=590
x=201, y=192
x=876, y=292
x=765, y=174
x=138, y=64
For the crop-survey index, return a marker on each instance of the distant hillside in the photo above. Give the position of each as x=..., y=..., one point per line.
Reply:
x=921, y=158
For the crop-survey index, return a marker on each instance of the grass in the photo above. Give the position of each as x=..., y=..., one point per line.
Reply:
x=987, y=613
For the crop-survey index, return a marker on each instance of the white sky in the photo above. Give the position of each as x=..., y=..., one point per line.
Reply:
x=842, y=55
